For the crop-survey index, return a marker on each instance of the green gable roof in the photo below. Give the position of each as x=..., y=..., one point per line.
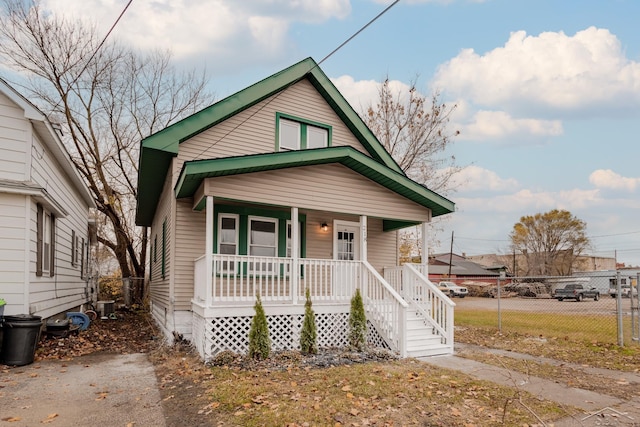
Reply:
x=194, y=172
x=158, y=150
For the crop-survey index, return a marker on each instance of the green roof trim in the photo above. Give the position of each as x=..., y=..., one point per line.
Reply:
x=158, y=149
x=390, y=224
x=194, y=172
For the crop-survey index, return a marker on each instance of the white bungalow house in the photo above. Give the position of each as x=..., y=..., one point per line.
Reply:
x=277, y=189
x=45, y=218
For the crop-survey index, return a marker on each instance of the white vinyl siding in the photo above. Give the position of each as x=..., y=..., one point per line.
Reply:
x=14, y=134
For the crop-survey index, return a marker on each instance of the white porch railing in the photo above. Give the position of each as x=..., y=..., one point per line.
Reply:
x=430, y=302
x=238, y=278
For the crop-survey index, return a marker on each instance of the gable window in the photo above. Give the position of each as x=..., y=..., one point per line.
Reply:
x=45, y=242
x=300, y=134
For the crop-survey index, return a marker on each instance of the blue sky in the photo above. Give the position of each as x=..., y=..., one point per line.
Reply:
x=548, y=92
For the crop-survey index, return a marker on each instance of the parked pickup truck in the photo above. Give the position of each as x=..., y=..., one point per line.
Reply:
x=453, y=290
x=576, y=291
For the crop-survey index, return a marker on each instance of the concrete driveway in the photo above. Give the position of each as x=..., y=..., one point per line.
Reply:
x=93, y=390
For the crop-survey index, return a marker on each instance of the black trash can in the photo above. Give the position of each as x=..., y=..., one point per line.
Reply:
x=20, y=338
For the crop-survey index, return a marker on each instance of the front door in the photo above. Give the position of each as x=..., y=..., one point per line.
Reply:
x=346, y=247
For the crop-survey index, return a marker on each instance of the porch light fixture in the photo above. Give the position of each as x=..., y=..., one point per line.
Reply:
x=324, y=226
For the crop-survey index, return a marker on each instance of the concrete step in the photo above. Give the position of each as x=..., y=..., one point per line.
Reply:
x=434, y=350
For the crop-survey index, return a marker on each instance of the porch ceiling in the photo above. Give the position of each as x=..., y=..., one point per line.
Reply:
x=194, y=172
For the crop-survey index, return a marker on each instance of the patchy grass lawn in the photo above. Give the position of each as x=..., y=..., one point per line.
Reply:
x=390, y=393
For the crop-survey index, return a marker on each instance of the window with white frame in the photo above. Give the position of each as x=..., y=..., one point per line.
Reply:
x=301, y=134
x=289, y=135
x=45, y=244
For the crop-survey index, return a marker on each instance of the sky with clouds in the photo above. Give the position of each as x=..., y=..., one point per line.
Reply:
x=547, y=91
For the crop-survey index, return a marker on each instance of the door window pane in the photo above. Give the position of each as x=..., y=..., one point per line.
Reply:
x=346, y=245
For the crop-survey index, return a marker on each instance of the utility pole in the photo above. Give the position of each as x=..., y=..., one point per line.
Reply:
x=450, y=254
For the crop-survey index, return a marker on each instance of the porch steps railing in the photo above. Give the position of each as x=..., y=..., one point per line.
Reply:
x=421, y=341
x=430, y=320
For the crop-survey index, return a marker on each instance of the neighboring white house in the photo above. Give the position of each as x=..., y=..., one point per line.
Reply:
x=45, y=215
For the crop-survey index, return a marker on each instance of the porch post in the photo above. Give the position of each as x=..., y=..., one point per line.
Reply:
x=363, y=255
x=295, y=250
x=363, y=238
x=208, y=254
x=425, y=249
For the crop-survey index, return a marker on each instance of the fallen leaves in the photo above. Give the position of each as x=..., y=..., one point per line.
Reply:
x=49, y=418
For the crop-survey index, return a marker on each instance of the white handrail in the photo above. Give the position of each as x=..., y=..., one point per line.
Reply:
x=387, y=309
x=434, y=304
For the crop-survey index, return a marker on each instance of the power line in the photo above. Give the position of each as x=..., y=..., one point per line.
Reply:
x=311, y=69
x=95, y=52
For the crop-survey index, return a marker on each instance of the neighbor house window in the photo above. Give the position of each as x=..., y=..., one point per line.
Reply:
x=163, y=267
x=299, y=134
x=45, y=242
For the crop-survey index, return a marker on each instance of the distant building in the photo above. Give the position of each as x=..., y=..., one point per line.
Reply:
x=516, y=264
x=455, y=266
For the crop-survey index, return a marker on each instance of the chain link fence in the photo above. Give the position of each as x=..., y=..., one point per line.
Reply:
x=599, y=306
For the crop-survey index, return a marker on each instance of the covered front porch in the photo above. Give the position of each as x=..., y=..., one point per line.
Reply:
x=405, y=312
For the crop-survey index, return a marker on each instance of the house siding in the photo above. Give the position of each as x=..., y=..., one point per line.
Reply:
x=28, y=160
x=14, y=249
x=190, y=244
x=66, y=289
x=253, y=131
x=13, y=134
x=160, y=288
x=324, y=188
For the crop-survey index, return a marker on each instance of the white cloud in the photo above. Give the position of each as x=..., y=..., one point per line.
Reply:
x=475, y=178
x=493, y=125
x=362, y=93
x=192, y=27
x=608, y=179
x=547, y=73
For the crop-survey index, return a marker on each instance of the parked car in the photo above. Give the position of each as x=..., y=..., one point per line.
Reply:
x=453, y=290
x=626, y=288
x=576, y=291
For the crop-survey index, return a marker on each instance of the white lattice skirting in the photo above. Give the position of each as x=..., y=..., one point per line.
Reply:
x=211, y=336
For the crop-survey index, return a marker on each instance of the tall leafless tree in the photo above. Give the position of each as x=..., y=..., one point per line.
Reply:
x=105, y=97
x=414, y=130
